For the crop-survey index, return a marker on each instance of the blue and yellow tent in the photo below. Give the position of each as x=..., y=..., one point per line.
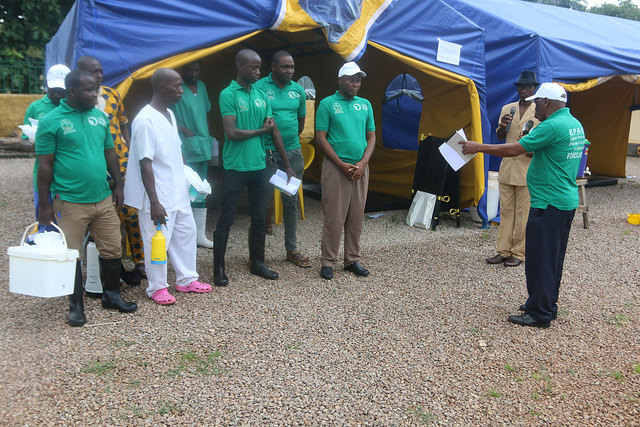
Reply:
x=595, y=57
x=386, y=37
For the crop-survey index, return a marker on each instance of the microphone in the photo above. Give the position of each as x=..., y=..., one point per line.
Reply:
x=512, y=112
x=527, y=127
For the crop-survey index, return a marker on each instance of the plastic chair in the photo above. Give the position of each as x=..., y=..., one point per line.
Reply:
x=308, y=153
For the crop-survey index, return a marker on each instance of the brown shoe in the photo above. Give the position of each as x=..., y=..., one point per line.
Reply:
x=298, y=259
x=513, y=262
x=498, y=259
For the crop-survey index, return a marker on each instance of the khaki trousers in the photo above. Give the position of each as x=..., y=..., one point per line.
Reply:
x=514, y=212
x=101, y=218
x=343, y=203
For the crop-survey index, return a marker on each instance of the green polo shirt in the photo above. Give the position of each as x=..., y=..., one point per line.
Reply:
x=288, y=105
x=191, y=112
x=251, y=109
x=78, y=141
x=37, y=110
x=557, y=144
x=346, y=123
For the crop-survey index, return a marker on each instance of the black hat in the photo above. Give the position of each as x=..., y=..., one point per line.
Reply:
x=527, y=78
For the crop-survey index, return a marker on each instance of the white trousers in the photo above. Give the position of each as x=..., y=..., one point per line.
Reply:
x=180, y=235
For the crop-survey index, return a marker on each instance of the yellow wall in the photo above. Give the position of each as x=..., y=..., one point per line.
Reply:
x=12, y=109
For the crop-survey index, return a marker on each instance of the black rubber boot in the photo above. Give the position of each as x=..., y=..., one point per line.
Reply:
x=133, y=277
x=111, y=298
x=219, y=250
x=256, y=256
x=76, y=305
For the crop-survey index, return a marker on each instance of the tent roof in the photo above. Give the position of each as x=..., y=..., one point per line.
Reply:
x=570, y=44
x=128, y=34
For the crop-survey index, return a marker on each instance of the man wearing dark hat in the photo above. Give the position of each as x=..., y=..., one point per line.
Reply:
x=516, y=118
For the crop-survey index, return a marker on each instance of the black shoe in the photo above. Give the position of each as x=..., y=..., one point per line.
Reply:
x=357, y=269
x=133, y=277
x=326, y=273
x=522, y=307
x=526, y=320
x=498, y=259
x=259, y=268
x=513, y=262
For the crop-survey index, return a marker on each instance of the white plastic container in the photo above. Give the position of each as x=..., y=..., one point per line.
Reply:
x=493, y=195
x=93, y=283
x=39, y=274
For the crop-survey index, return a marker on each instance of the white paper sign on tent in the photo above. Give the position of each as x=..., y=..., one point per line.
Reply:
x=452, y=151
x=448, y=52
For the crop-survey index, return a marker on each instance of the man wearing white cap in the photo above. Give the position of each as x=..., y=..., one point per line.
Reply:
x=40, y=108
x=345, y=131
x=557, y=144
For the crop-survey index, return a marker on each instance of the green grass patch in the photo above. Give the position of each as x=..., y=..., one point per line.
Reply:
x=494, y=393
x=98, y=368
x=423, y=416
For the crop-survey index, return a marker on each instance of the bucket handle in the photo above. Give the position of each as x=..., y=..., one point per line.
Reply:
x=24, y=235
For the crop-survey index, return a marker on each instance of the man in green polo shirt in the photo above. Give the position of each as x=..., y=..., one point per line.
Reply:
x=288, y=103
x=557, y=144
x=345, y=131
x=191, y=114
x=75, y=150
x=246, y=117
x=43, y=106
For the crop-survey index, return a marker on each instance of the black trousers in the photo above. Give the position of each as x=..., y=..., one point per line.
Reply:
x=547, y=237
x=257, y=183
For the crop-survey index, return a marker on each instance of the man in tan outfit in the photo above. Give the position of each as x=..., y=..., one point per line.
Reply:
x=516, y=118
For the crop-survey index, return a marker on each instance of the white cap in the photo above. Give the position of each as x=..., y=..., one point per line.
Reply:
x=551, y=91
x=351, y=69
x=56, y=75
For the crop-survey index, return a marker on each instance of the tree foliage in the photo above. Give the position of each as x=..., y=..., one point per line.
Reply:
x=624, y=9
x=27, y=25
x=569, y=4
x=621, y=8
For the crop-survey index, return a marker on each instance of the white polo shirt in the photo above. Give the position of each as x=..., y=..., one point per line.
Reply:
x=154, y=137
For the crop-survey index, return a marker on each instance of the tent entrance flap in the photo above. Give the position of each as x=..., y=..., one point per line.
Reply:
x=453, y=101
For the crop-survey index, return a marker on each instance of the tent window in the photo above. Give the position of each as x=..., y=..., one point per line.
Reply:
x=401, y=111
x=309, y=87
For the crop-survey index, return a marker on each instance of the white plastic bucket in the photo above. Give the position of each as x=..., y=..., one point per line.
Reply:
x=41, y=275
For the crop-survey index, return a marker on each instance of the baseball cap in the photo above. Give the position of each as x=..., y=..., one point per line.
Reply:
x=56, y=75
x=351, y=69
x=551, y=91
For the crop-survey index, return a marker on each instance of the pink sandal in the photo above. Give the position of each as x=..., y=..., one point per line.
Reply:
x=195, y=286
x=163, y=297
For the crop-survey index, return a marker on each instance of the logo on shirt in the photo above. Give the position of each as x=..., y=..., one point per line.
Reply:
x=260, y=103
x=294, y=95
x=93, y=121
x=67, y=126
x=270, y=94
x=359, y=107
x=337, y=108
x=242, y=105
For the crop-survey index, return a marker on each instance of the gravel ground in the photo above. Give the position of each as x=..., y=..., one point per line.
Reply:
x=423, y=340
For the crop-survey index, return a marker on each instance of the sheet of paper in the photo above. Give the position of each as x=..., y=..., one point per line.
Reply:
x=452, y=151
x=279, y=179
x=448, y=52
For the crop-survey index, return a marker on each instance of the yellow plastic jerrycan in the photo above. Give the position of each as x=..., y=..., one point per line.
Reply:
x=158, y=248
